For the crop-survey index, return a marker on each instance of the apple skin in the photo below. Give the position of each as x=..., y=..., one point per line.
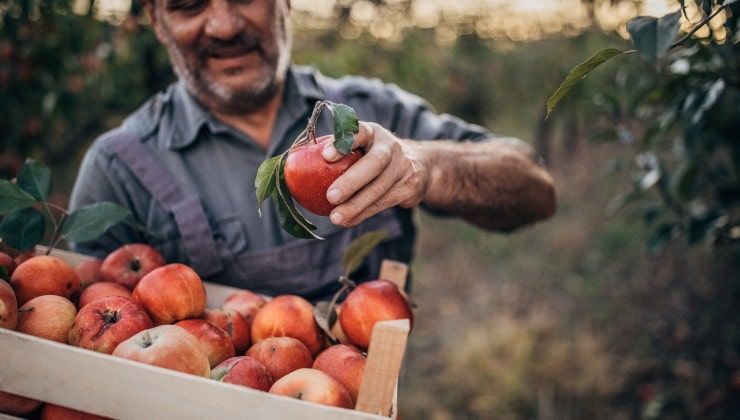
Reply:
x=171, y=293
x=288, y=316
x=234, y=324
x=89, y=272
x=243, y=370
x=308, y=175
x=57, y=412
x=48, y=316
x=8, y=306
x=102, y=289
x=214, y=342
x=128, y=264
x=345, y=364
x=166, y=346
x=8, y=262
x=16, y=405
x=281, y=355
x=370, y=302
x=44, y=275
x=246, y=303
x=106, y=322
x=314, y=386
x=23, y=257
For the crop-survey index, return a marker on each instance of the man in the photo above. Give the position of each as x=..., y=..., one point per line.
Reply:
x=185, y=162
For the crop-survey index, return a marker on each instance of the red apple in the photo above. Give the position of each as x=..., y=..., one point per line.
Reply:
x=308, y=175
x=8, y=263
x=104, y=323
x=243, y=370
x=288, y=316
x=281, y=355
x=214, y=342
x=44, y=275
x=89, y=272
x=234, y=324
x=370, y=302
x=171, y=293
x=129, y=263
x=15, y=405
x=102, y=289
x=57, y=412
x=8, y=306
x=345, y=364
x=23, y=257
x=167, y=346
x=246, y=303
x=47, y=316
x=314, y=386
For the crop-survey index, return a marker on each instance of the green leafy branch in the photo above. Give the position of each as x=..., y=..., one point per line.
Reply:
x=25, y=207
x=270, y=179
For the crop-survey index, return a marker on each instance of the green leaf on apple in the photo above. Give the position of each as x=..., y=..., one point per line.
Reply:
x=23, y=228
x=35, y=179
x=4, y=273
x=264, y=182
x=291, y=219
x=360, y=248
x=13, y=198
x=346, y=124
x=325, y=315
x=91, y=221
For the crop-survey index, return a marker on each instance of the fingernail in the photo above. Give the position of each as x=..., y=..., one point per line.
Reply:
x=333, y=195
x=336, y=217
x=329, y=153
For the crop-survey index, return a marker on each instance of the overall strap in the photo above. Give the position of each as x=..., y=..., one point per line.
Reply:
x=186, y=207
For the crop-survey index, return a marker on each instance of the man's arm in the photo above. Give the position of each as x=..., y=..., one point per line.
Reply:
x=496, y=184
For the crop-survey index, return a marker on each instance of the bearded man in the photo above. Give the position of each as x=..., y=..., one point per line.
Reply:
x=185, y=162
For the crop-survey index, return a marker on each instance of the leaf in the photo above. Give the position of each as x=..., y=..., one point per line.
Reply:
x=360, y=248
x=660, y=238
x=23, y=229
x=91, y=221
x=4, y=273
x=325, y=317
x=652, y=36
x=579, y=72
x=264, y=182
x=291, y=219
x=345, y=125
x=12, y=197
x=35, y=179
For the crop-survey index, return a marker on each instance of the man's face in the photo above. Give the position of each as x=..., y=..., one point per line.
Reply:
x=232, y=54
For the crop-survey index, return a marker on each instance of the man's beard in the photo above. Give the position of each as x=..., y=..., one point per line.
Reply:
x=226, y=98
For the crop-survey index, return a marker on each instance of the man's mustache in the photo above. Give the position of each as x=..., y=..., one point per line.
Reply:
x=236, y=46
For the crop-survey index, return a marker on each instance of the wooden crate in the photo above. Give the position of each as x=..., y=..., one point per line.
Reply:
x=123, y=389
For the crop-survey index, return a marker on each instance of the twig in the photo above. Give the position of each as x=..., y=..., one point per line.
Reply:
x=698, y=26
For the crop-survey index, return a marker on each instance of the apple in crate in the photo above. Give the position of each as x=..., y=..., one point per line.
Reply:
x=128, y=264
x=214, y=342
x=243, y=370
x=57, y=412
x=89, y=272
x=314, y=386
x=16, y=405
x=48, y=316
x=281, y=355
x=167, y=346
x=288, y=316
x=246, y=303
x=171, y=293
x=8, y=306
x=102, y=289
x=234, y=324
x=44, y=275
x=8, y=263
x=103, y=324
x=345, y=364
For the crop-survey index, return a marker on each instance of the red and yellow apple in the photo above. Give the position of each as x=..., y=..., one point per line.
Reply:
x=102, y=289
x=234, y=324
x=44, y=275
x=213, y=341
x=89, y=272
x=8, y=306
x=48, y=316
x=281, y=355
x=345, y=364
x=57, y=412
x=243, y=370
x=128, y=264
x=288, y=316
x=314, y=386
x=8, y=263
x=16, y=405
x=171, y=293
x=104, y=323
x=246, y=303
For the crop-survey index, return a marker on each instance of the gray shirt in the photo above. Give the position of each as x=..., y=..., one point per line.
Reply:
x=219, y=163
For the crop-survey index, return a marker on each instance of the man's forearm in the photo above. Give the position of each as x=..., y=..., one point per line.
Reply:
x=497, y=184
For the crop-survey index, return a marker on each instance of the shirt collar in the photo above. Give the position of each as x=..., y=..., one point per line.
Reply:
x=190, y=115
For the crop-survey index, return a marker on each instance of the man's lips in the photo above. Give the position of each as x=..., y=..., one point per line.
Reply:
x=233, y=52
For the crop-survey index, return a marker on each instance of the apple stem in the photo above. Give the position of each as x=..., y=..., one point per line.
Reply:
x=56, y=237
x=311, y=128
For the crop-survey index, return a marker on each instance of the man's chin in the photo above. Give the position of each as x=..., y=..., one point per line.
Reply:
x=235, y=94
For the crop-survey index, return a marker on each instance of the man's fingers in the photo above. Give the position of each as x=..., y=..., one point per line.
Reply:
x=372, y=199
x=363, y=140
x=360, y=174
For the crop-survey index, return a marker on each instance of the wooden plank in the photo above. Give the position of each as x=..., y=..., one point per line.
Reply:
x=384, y=357
x=72, y=258
x=395, y=272
x=123, y=389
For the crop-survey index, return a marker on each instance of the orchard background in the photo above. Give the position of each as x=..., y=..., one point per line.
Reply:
x=624, y=305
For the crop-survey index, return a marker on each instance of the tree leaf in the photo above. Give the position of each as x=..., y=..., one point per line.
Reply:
x=23, y=229
x=325, y=317
x=652, y=36
x=35, y=179
x=264, y=182
x=12, y=197
x=346, y=124
x=91, y=221
x=291, y=219
x=579, y=72
x=360, y=248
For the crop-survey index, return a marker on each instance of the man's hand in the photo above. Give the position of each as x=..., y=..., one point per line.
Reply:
x=389, y=174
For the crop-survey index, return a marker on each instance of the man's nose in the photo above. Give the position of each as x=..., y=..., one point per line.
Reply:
x=224, y=22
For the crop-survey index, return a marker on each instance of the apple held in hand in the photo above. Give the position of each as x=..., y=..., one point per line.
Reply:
x=171, y=293
x=103, y=324
x=214, y=342
x=44, y=275
x=281, y=355
x=308, y=175
x=243, y=370
x=288, y=316
x=128, y=264
x=48, y=316
x=314, y=386
x=8, y=306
